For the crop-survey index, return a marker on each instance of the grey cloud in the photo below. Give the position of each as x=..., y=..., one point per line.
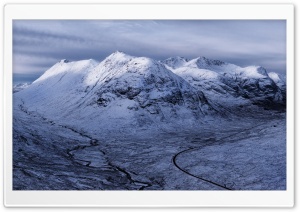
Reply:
x=240, y=42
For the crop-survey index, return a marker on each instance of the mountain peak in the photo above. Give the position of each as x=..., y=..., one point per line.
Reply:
x=119, y=53
x=177, y=58
x=175, y=62
x=118, y=56
x=64, y=61
x=203, y=61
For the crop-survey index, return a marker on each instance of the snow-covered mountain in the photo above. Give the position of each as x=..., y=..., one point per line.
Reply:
x=227, y=85
x=140, y=91
x=135, y=90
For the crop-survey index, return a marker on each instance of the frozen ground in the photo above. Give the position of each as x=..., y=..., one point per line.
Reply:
x=246, y=153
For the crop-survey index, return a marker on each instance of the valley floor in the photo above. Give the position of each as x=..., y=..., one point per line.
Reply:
x=236, y=154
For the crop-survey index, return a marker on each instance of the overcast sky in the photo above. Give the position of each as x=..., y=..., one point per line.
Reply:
x=37, y=45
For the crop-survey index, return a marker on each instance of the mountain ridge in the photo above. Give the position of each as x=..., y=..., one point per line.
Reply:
x=141, y=90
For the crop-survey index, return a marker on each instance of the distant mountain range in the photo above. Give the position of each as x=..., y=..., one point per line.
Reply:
x=140, y=90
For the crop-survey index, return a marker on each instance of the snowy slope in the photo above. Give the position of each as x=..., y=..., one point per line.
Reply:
x=217, y=93
x=58, y=88
x=278, y=79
